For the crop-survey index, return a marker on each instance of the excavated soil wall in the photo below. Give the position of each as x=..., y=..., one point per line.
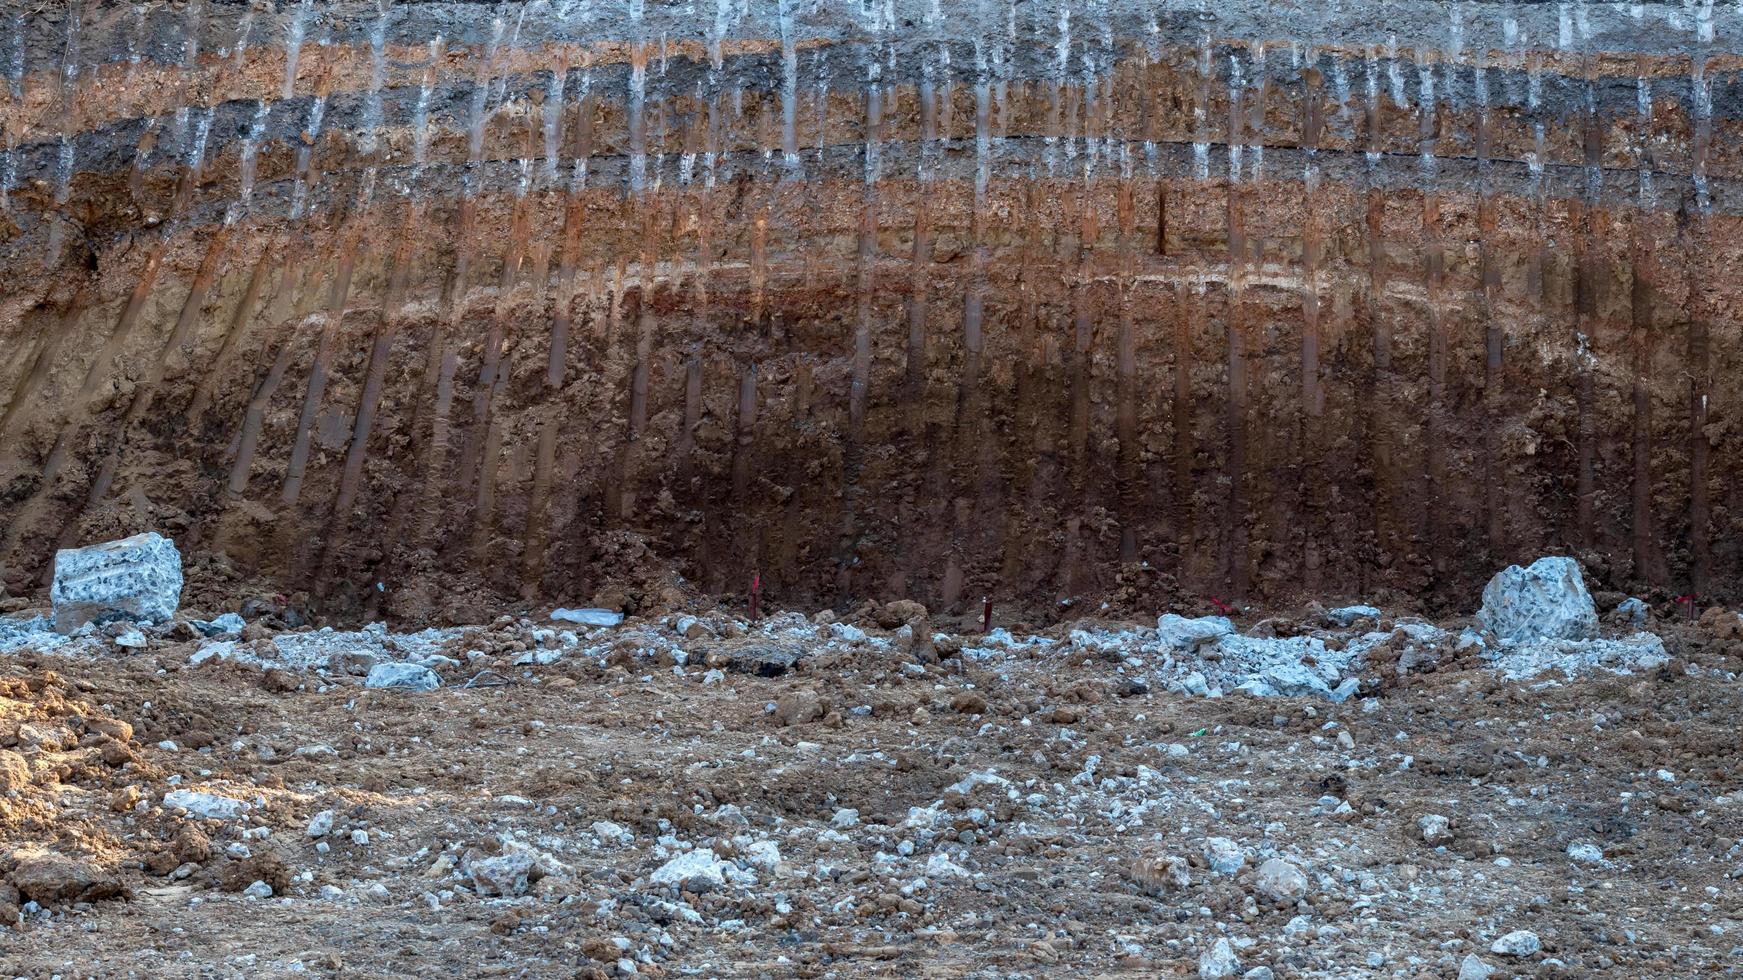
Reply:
x=423, y=307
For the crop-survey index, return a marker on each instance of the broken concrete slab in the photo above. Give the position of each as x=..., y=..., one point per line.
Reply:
x=137, y=578
x=1546, y=601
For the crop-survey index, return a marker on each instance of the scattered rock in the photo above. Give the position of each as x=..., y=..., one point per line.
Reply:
x=766, y=659
x=507, y=875
x=1434, y=829
x=693, y=871
x=587, y=617
x=1634, y=612
x=1159, y=874
x=402, y=676
x=321, y=824
x=1218, y=961
x=1347, y=615
x=191, y=845
x=1190, y=634
x=137, y=578
x=1519, y=943
x=206, y=806
x=1473, y=968
x=968, y=703
x=1224, y=856
x=1280, y=881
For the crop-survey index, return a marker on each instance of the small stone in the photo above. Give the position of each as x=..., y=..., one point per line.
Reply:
x=1190, y=634
x=587, y=617
x=1586, y=853
x=360, y=837
x=1518, y=943
x=1218, y=962
x=402, y=676
x=1473, y=968
x=1434, y=829
x=321, y=824
x=1224, y=856
x=507, y=875
x=206, y=806
x=1259, y=973
x=693, y=871
x=1345, y=740
x=1159, y=874
x=763, y=854
x=259, y=889
x=1280, y=881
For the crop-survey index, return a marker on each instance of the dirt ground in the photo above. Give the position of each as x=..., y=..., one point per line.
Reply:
x=879, y=809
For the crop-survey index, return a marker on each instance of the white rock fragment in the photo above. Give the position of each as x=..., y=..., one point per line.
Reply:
x=1518, y=943
x=206, y=806
x=587, y=617
x=693, y=871
x=1224, y=856
x=1586, y=853
x=402, y=676
x=1547, y=601
x=1218, y=962
x=321, y=824
x=1190, y=634
x=137, y=578
x=1280, y=881
x=939, y=865
x=615, y=835
x=259, y=889
x=1345, y=615
x=1473, y=968
x=1435, y=829
x=764, y=855
x=506, y=875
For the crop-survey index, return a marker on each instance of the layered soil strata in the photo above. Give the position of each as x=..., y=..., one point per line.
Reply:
x=391, y=305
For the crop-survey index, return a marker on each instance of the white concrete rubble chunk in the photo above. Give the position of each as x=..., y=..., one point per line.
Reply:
x=1518, y=943
x=1473, y=968
x=412, y=677
x=1218, y=962
x=1345, y=615
x=207, y=806
x=588, y=617
x=321, y=824
x=137, y=578
x=1190, y=634
x=1281, y=881
x=1224, y=856
x=507, y=875
x=693, y=871
x=1547, y=601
